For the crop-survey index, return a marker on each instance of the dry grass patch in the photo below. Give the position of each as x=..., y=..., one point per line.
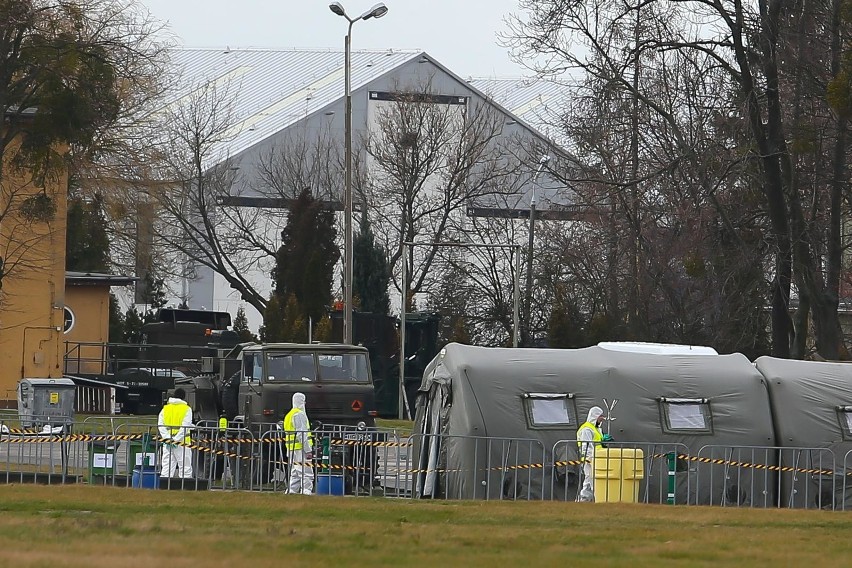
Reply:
x=100, y=527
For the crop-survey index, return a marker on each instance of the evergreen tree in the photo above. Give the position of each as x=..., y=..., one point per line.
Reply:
x=304, y=267
x=153, y=298
x=273, y=321
x=295, y=327
x=241, y=327
x=116, y=321
x=133, y=322
x=322, y=330
x=371, y=272
x=87, y=242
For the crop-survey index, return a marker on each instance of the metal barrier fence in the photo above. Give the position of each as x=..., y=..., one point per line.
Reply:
x=351, y=461
x=477, y=467
x=645, y=472
x=766, y=476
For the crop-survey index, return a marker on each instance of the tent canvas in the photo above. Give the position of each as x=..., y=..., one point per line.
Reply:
x=812, y=411
x=470, y=393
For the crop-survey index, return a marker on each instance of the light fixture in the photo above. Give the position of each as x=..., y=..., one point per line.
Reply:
x=376, y=11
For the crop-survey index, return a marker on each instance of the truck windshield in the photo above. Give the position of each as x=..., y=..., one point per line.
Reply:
x=290, y=367
x=344, y=367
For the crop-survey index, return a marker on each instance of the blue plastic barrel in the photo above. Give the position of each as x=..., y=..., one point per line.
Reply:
x=329, y=484
x=145, y=477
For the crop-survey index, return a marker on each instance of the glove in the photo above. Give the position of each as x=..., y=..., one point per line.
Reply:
x=606, y=438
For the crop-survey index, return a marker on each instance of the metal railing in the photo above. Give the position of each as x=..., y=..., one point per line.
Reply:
x=369, y=461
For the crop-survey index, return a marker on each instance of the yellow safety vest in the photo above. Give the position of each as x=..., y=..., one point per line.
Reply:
x=290, y=439
x=173, y=415
x=596, y=440
x=223, y=423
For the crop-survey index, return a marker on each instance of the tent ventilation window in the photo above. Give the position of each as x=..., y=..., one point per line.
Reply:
x=686, y=415
x=844, y=416
x=550, y=410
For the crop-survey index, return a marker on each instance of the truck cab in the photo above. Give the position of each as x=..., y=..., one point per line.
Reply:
x=335, y=378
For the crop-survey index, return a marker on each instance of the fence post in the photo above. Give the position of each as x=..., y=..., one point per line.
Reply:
x=671, y=458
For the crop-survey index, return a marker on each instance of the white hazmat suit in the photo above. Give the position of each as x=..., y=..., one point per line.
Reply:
x=299, y=442
x=588, y=437
x=174, y=424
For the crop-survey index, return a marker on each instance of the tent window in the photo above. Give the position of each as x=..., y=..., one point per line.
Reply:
x=549, y=410
x=686, y=415
x=844, y=415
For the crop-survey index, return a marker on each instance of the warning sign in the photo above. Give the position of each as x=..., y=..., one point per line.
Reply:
x=54, y=398
x=356, y=405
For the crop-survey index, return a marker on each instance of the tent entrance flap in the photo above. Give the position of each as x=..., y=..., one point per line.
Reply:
x=428, y=447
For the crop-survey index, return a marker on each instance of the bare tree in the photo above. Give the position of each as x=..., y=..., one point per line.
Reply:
x=75, y=77
x=428, y=158
x=720, y=64
x=195, y=226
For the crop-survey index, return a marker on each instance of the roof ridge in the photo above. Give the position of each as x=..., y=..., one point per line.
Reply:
x=228, y=49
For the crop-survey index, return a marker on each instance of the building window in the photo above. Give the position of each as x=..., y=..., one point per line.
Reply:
x=70, y=319
x=550, y=410
x=686, y=415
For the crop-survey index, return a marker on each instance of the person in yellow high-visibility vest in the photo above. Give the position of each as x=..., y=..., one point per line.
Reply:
x=300, y=447
x=589, y=436
x=174, y=423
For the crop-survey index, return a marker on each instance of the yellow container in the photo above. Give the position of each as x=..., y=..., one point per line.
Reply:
x=618, y=472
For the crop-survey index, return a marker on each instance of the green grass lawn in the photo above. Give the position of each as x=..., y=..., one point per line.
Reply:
x=403, y=427
x=96, y=527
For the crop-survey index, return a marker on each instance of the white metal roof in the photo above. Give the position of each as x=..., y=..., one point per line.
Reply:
x=537, y=102
x=273, y=88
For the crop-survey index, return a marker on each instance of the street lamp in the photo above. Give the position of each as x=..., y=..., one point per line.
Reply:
x=528, y=300
x=376, y=11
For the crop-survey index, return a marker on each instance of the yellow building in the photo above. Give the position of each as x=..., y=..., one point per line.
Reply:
x=32, y=296
x=86, y=320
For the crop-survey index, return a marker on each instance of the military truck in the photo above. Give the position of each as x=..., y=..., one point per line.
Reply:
x=340, y=401
x=335, y=379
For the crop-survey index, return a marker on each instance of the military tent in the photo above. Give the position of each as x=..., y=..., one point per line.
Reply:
x=812, y=412
x=492, y=422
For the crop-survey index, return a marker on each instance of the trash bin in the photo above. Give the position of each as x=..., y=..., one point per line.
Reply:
x=141, y=453
x=618, y=472
x=101, y=458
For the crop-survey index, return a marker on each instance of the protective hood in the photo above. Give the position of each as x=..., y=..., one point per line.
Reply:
x=594, y=413
x=299, y=401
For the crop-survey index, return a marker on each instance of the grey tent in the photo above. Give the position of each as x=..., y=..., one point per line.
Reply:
x=491, y=423
x=812, y=410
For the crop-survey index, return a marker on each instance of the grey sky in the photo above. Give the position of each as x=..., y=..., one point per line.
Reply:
x=461, y=34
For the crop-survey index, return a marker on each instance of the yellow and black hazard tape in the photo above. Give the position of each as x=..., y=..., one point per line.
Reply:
x=338, y=442
x=783, y=469
x=26, y=436
x=334, y=442
x=55, y=439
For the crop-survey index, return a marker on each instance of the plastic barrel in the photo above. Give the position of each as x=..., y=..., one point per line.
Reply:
x=329, y=484
x=147, y=478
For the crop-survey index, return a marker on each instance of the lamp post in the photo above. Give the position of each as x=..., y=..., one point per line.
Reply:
x=376, y=11
x=528, y=300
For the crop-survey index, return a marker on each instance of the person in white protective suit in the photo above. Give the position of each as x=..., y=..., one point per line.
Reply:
x=174, y=423
x=300, y=447
x=589, y=436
